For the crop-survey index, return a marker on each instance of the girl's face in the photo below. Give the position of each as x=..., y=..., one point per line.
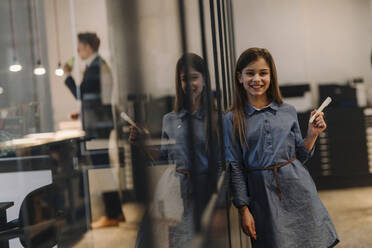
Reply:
x=255, y=78
x=196, y=83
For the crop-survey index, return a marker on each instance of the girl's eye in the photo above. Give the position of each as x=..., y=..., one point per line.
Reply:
x=250, y=73
x=191, y=78
x=263, y=73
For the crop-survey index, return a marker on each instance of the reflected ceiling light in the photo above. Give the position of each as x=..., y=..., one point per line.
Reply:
x=59, y=71
x=16, y=66
x=1, y=90
x=39, y=70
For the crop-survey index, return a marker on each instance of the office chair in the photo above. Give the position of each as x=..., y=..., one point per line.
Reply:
x=37, y=224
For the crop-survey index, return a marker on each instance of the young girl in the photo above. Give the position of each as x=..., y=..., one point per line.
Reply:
x=175, y=148
x=276, y=196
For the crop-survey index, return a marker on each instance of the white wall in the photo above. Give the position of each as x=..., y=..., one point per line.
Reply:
x=90, y=15
x=160, y=37
x=160, y=44
x=319, y=41
x=315, y=41
x=311, y=40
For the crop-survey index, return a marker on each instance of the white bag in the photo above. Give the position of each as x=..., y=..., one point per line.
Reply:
x=168, y=203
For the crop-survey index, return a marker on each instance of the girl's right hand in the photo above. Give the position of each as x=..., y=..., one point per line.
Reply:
x=133, y=135
x=247, y=222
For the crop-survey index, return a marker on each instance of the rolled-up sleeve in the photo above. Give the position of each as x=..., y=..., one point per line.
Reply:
x=70, y=83
x=302, y=153
x=234, y=156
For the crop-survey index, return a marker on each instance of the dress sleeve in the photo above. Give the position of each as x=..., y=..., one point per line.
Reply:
x=234, y=156
x=302, y=153
x=164, y=140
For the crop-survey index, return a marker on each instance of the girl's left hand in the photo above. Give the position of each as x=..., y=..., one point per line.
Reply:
x=317, y=126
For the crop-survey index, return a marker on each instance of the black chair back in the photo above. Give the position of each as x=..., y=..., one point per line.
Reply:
x=38, y=218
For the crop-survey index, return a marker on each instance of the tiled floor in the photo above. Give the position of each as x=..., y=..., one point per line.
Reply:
x=350, y=209
x=351, y=212
x=111, y=237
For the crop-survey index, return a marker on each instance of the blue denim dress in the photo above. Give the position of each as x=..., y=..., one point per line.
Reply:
x=175, y=137
x=175, y=150
x=274, y=137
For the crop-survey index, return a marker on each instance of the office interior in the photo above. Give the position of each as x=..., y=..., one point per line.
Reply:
x=57, y=180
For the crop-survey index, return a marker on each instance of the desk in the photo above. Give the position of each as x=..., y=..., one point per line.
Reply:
x=3, y=220
x=56, y=154
x=40, y=139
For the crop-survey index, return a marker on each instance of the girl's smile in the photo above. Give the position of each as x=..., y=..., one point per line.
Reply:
x=256, y=86
x=196, y=83
x=255, y=78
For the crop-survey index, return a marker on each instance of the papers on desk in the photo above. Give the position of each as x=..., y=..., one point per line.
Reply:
x=70, y=125
x=40, y=136
x=35, y=139
x=67, y=134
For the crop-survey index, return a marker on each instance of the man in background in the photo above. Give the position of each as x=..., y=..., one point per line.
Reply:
x=95, y=93
x=95, y=89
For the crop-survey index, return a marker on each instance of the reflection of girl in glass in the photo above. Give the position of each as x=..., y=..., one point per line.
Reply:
x=276, y=196
x=175, y=147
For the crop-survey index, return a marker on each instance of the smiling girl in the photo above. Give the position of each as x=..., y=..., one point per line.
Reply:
x=176, y=151
x=276, y=196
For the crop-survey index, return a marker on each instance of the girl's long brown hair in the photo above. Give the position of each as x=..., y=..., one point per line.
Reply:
x=196, y=62
x=240, y=96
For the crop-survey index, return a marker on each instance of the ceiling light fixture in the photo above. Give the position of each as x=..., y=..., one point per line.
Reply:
x=16, y=66
x=59, y=71
x=39, y=69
